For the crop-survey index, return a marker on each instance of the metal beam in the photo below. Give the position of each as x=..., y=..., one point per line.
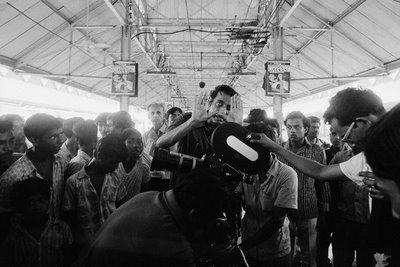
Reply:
x=65, y=76
x=118, y=16
x=331, y=26
x=340, y=78
x=38, y=44
x=289, y=13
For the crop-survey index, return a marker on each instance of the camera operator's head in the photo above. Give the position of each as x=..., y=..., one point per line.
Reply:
x=220, y=102
x=202, y=196
x=351, y=112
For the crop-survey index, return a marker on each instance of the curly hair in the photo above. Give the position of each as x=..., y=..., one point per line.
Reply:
x=351, y=103
x=383, y=138
x=39, y=124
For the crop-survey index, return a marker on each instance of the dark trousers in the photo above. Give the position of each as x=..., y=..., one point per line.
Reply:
x=284, y=261
x=350, y=237
x=324, y=231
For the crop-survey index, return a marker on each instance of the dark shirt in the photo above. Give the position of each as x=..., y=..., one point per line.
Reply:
x=197, y=142
x=350, y=200
x=142, y=232
x=331, y=152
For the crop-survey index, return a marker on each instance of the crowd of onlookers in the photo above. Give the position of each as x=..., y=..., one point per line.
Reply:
x=76, y=192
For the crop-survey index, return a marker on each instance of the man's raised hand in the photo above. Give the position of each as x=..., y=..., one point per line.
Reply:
x=236, y=112
x=200, y=110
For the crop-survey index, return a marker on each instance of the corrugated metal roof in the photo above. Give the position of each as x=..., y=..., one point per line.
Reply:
x=355, y=37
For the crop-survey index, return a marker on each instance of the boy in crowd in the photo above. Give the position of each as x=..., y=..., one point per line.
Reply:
x=132, y=171
x=42, y=162
x=69, y=148
x=101, y=122
x=94, y=192
x=7, y=141
x=86, y=135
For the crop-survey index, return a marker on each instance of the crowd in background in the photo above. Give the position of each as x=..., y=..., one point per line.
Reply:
x=73, y=195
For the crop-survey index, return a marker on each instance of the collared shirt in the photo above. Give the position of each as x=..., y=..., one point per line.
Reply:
x=77, y=163
x=134, y=179
x=150, y=138
x=20, y=248
x=279, y=189
x=23, y=169
x=91, y=210
x=65, y=153
x=308, y=187
x=351, y=200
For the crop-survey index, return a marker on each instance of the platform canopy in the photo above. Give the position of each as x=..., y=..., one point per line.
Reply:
x=178, y=43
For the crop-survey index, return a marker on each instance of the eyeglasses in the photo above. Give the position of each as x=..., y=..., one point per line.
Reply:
x=352, y=126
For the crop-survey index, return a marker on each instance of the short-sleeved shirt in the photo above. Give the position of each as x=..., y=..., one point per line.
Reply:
x=279, y=189
x=353, y=166
x=311, y=192
x=77, y=163
x=142, y=232
x=91, y=210
x=134, y=179
x=24, y=169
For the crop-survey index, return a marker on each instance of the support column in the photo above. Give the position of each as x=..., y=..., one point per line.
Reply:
x=126, y=33
x=277, y=39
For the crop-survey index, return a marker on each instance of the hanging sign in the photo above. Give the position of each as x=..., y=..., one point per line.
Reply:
x=277, y=78
x=125, y=78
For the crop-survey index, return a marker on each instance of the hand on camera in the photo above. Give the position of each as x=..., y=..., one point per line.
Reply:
x=236, y=112
x=263, y=140
x=200, y=113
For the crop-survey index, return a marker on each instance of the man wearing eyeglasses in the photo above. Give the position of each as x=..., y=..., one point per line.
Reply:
x=351, y=113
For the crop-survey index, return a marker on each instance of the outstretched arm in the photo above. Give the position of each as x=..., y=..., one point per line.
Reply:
x=307, y=166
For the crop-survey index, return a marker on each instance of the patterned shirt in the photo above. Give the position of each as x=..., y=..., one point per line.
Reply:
x=309, y=189
x=77, y=163
x=134, y=179
x=91, y=210
x=23, y=169
x=65, y=153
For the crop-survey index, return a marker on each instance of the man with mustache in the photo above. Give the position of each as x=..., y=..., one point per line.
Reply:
x=193, y=130
x=310, y=194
